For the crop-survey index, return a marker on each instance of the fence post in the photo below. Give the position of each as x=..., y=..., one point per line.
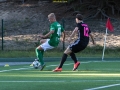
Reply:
x=2, y=34
x=63, y=24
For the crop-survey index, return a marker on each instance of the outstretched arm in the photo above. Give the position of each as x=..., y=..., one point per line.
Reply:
x=63, y=36
x=47, y=35
x=73, y=33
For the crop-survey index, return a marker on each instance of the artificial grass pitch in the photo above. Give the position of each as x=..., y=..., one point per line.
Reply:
x=101, y=75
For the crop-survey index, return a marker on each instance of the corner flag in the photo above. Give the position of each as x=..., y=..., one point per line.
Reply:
x=109, y=25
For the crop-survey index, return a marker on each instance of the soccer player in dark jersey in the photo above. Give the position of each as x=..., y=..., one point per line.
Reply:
x=80, y=44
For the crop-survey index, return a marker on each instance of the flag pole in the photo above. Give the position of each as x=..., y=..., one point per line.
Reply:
x=108, y=27
x=104, y=45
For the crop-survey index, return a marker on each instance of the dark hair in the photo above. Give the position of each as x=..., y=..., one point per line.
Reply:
x=79, y=17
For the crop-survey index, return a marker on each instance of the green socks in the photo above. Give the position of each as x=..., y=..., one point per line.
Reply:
x=39, y=55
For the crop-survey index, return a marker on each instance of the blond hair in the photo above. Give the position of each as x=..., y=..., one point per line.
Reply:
x=52, y=15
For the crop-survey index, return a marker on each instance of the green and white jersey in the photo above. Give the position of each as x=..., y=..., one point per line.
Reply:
x=55, y=37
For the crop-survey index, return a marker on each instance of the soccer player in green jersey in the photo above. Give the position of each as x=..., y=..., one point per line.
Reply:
x=50, y=40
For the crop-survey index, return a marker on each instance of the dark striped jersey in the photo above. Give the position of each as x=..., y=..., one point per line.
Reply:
x=83, y=33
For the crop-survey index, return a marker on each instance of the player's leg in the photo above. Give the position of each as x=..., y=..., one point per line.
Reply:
x=41, y=42
x=76, y=48
x=43, y=47
x=76, y=62
x=73, y=56
x=39, y=54
x=64, y=57
x=69, y=51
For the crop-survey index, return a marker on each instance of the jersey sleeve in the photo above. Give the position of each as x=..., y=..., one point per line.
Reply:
x=52, y=27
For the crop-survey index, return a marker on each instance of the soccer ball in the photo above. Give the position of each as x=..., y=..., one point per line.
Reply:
x=36, y=64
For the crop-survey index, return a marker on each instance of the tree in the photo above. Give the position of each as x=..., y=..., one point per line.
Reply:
x=96, y=8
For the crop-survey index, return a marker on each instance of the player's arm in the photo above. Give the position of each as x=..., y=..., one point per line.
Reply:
x=63, y=36
x=73, y=33
x=47, y=35
x=92, y=38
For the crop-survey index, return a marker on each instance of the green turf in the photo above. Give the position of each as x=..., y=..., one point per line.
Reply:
x=89, y=75
x=96, y=51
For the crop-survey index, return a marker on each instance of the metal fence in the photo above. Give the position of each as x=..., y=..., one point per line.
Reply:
x=22, y=35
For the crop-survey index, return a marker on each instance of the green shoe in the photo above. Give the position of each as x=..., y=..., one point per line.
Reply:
x=42, y=67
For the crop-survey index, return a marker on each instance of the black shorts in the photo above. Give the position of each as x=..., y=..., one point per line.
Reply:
x=77, y=47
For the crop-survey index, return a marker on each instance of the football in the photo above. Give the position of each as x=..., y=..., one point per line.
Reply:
x=36, y=64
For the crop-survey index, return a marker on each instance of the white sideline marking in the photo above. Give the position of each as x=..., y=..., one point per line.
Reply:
x=103, y=87
x=48, y=66
x=68, y=64
x=30, y=81
x=32, y=67
x=69, y=81
x=95, y=81
x=57, y=65
x=15, y=69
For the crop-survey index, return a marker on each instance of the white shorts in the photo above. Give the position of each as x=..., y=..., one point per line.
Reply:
x=46, y=45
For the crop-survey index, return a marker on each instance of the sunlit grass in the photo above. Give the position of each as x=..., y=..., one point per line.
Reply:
x=89, y=75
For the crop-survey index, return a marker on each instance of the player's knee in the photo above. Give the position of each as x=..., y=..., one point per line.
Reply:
x=36, y=49
x=42, y=41
x=67, y=51
x=39, y=48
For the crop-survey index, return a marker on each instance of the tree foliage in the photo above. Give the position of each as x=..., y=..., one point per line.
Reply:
x=91, y=8
x=96, y=8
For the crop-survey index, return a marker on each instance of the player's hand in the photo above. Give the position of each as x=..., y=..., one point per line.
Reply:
x=62, y=40
x=41, y=36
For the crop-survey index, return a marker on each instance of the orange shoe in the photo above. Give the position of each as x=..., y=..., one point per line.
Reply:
x=57, y=70
x=76, y=65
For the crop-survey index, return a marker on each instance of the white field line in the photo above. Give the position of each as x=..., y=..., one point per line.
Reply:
x=48, y=66
x=15, y=69
x=30, y=81
x=67, y=64
x=32, y=67
x=72, y=81
x=95, y=80
x=107, y=86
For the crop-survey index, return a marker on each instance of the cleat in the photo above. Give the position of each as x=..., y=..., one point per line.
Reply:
x=76, y=66
x=57, y=70
x=42, y=67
